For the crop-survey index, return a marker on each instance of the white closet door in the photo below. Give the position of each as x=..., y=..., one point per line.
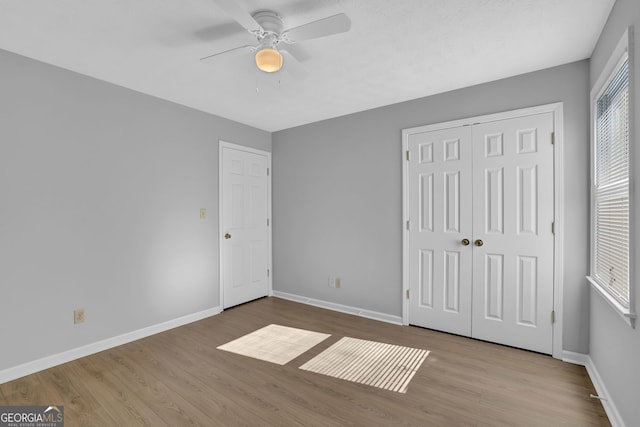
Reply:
x=491, y=183
x=439, y=184
x=512, y=220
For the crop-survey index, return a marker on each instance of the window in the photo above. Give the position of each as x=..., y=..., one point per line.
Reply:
x=610, y=247
x=611, y=187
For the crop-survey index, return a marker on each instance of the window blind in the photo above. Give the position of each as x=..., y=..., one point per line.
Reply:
x=611, y=192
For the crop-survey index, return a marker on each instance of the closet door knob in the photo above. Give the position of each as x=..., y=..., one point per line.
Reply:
x=478, y=242
x=465, y=242
x=227, y=236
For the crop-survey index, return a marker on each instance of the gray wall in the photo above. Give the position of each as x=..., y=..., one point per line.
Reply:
x=100, y=191
x=338, y=193
x=615, y=347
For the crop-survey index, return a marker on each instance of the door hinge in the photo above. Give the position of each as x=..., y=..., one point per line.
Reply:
x=553, y=228
x=553, y=138
x=553, y=316
x=408, y=293
x=408, y=225
x=408, y=156
x=267, y=222
x=267, y=171
x=268, y=272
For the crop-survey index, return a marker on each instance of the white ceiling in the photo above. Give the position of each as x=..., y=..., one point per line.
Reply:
x=396, y=50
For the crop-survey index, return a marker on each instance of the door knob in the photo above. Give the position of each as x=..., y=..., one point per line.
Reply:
x=227, y=236
x=465, y=242
x=478, y=242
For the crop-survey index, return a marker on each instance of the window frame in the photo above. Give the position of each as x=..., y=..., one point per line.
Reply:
x=621, y=53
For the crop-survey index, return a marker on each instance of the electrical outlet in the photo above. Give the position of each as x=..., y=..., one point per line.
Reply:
x=78, y=316
x=203, y=213
x=334, y=282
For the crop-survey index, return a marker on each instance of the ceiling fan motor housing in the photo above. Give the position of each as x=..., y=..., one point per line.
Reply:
x=270, y=22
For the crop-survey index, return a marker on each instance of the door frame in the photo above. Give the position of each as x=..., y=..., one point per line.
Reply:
x=558, y=239
x=222, y=145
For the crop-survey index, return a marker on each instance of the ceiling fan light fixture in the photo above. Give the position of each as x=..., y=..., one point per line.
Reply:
x=269, y=60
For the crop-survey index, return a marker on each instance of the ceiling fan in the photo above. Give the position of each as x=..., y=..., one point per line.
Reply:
x=268, y=29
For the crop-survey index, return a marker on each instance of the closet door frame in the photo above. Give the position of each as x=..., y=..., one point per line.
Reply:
x=557, y=110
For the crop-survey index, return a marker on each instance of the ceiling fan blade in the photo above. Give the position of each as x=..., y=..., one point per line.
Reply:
x=241, y=16
x=236, y=51
x=292, y=66
x=335, y=24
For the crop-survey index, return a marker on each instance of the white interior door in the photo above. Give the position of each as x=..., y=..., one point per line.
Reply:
x=244, y=225
x=441, y=217
x=513, y=215
x=480, y=243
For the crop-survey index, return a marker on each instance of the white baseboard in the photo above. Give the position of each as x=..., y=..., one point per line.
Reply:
x=609, y=406
x=383, y=317
x=575, y=358
x=47, y=362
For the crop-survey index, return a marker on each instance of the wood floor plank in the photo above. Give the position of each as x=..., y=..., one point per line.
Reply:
x=178, y=377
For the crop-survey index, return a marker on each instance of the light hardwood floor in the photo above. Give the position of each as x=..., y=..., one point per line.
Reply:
x=179, y=378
